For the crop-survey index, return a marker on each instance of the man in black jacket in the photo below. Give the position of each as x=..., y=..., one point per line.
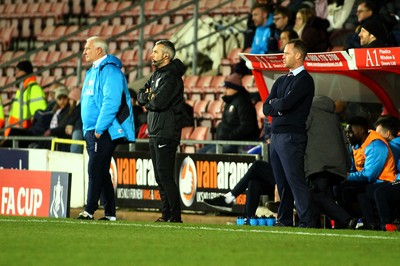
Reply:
x=289, y=104
x=162, y=96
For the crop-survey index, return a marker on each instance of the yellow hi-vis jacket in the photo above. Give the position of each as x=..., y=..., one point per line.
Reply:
x=34, y=99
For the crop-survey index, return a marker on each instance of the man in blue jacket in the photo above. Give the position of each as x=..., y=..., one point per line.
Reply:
x=107, y=119
x=162, y=96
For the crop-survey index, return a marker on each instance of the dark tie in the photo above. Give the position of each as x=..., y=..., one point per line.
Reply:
x=287, y=80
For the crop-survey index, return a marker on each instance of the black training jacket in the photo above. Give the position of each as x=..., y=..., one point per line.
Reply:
x=165, y=102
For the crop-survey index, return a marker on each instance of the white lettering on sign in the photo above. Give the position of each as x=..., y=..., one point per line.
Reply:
x=229, y=174
x=263, y=62
x=28, y=201
x=372, y=60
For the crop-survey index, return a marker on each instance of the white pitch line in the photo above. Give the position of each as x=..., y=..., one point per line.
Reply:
x=204, y=228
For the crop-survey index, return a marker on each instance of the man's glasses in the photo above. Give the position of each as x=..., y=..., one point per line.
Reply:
x=361, y=11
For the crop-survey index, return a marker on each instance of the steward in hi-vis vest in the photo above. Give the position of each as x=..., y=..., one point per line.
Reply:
x=33, y=99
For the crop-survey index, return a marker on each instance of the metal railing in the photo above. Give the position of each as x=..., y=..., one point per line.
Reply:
x=219, y=143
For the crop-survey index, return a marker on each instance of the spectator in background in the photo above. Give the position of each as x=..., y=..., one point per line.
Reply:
x=51, y=98
x=263, y=41
x=74, y=125
x=251, y=26
x=326, y=161
x=338, y=12
x=282, y=23
x=312, y=30
x=321, y=8
x=292, y=5
x=138, y=112
x=366, y=11
x=285, y=37
x=239, y=118
x=60, y=114
x=33, y=99
x=373, y=34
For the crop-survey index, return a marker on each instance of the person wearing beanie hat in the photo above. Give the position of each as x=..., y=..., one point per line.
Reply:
x=234, y=81
x=33, y=99
x=239, y=118
x=25, y=66
x=373, y=34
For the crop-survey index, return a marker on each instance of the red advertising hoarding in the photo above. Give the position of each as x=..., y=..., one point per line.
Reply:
x=34, y=193
x=373, y=71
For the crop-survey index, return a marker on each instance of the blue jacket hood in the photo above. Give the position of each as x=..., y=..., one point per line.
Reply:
x=111, y=59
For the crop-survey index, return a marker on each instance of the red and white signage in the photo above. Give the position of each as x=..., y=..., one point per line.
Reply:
x=376, y=58
x=34, y=193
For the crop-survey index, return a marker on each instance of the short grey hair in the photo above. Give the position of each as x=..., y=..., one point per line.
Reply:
x=99, y=42
x=168, y=47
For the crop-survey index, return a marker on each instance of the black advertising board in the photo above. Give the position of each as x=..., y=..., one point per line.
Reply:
x=198, y=176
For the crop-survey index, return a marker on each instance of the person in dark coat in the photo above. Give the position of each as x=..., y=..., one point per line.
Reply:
x=312, y=30
x=327, y=160
x=366, y=12
x=289, y=104
x=162, y=95
x=239, y=118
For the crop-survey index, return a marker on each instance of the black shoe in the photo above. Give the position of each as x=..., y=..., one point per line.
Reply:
x=352, y=223
x=273, y=206
x=175, y=221
x=85, y=216
x=219, y=203
x=161, y=220
x=279, y=224
x=108, y=218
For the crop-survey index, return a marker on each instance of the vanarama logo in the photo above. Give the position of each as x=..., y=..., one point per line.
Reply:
x=188, y=181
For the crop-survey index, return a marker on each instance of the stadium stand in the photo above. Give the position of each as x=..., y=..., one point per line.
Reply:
x=58, y=29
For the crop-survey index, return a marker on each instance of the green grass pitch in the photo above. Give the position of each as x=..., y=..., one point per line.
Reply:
x=40, y=241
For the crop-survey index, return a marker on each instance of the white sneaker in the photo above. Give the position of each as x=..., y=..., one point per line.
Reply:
x=85, y=216
x=108, y=218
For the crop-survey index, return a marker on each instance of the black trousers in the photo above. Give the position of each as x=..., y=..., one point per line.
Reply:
x=100, y=185
x=258, y=180
x=368, y=206
x=387, y=199
x=162, y=152
x=321, y=185
x=287, y=160
x=346, y=195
